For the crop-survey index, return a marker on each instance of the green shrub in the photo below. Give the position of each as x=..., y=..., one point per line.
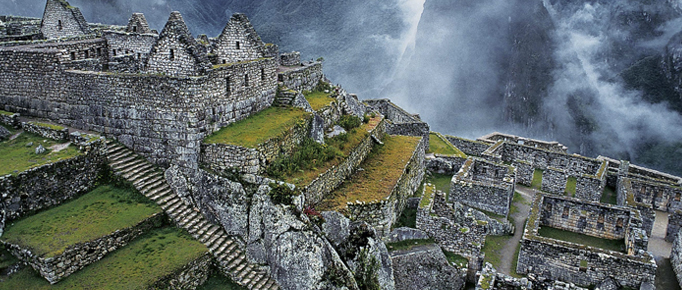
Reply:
x=281, y=193
x=349, y=122
x=365, y=119
x=366, y=273
x=308, y=155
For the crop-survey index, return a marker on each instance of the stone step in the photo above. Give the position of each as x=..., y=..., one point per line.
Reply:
x=111, y=150
x=127, y=167
x=139, y=171
x=236, y=262
x=216, y=244
x=167, y=206
x=160, y=192
x=264, y=280
x=151, y=186
x=177, y=209
x=116, y=164
x=245, y=272
x=153, y=177
x=166, y=199
x=131, y=171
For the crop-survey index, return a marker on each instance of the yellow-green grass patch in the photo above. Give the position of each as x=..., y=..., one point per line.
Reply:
x=144, y=261
x=344, y=144
x=440, y=146
x=96, y=214
x=318, y=100
x=47, y=125
x=428, y=193
x=16, y=156
x=441, y=181
x=571, y=183
x=408, y=244
x=456, y=259
x=382, y=169
x=537, y=179
x=258, y=128
x=6, y=113
x=493, y=249
x=568, y=236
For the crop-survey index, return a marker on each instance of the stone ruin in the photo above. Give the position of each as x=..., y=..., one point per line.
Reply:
x=161, y=93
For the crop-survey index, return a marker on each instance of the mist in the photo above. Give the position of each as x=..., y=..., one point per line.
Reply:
x=546, y=69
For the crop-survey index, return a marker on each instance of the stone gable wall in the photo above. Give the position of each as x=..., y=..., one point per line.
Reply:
x=524, y=172
x=469, y=147
x=479, y=184
x=554, y=181
x=236, y=42
x=76, y=257
x=71, y=19
x=659, y=196
x=135, y=45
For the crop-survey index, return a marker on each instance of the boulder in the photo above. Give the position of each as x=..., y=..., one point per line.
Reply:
x=424, y=267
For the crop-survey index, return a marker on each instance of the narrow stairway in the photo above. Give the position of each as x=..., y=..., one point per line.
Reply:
x=150, y=181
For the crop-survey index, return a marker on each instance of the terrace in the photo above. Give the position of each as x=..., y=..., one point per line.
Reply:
x=16, y=155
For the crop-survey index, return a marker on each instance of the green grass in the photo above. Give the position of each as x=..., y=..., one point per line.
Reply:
x=382, y=169
x=344, y=143
x=515, y=262
x=609, y=195
x=441, y=181
x=318, y=100
x=6, y=113
x=458, y=260
x=428, y=193
x=91, y=216
x=407, y=244
x=16, y=157
x=440, y=146
x=6, y=259
x=144, y=261
x=571, y=183
x=219, y=282
x=492, y=247
x=47, y=125
x=407, y=219
x=258, y=128
x=537, y=179
x=518, y=198
x=557, y=234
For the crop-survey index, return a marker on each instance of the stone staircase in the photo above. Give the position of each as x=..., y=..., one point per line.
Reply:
x=227, y=251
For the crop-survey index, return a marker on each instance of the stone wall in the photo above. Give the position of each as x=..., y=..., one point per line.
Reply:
x=190, y=276
x=551, y=146
x=524, y=172
x=291, y=58
x=384, y=213
x=469, y=147
x=484, y=185
x=304, y=78
x=76, y=257
x=10, y=120
x=49, y=185
x=592, y=219
x=589, y=188
x=321, y=186
x=163, y=118
x=674, y=226
x=401, y=122
x=222, y=157
x=580, y=264
x=659, y=196
x=554, y=181
x=676, y=257
x=574, y=165
x=444, y=164
x=46, y=131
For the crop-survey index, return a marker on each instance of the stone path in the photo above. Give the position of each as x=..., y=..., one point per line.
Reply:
x=519, y=218
x=665, y=277
x=228, y=253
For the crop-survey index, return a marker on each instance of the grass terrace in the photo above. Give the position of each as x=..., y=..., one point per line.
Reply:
x=318, y=99
x=440, y=181
x=258, y=128
x=6, y=113
x=17, y=156
x=339, y=146
x=568, y=236
x=136, y=266
x=89, y=217
x=441, y=146
x=382, y=169
x=47, y=125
